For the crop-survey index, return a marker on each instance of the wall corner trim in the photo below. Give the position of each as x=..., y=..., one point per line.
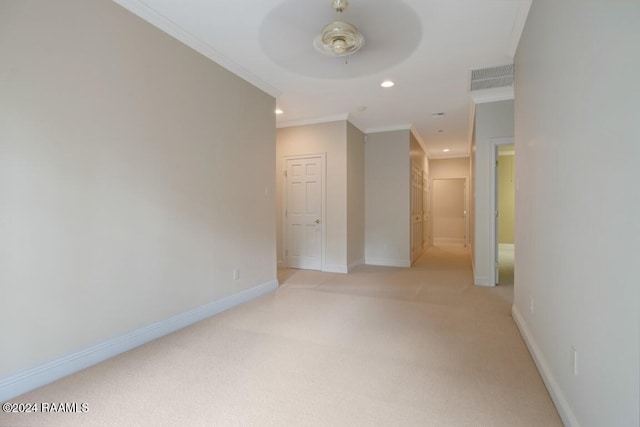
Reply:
x=354, y=264
x=312, y=121
x=29, y=379
x=564, y=409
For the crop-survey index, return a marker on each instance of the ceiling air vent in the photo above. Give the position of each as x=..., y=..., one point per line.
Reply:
x=488, y=78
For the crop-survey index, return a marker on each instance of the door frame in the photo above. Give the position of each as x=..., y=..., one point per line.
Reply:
x=466, y=207
x=493, y=203
x=426, y=217
x=323, y=204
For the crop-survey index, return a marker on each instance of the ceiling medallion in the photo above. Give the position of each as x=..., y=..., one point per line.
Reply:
x=339, y=38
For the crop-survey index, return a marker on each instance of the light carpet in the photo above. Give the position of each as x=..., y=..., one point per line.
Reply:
x=378, y=347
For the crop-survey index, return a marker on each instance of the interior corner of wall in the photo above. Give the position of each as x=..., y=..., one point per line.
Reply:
x=473, y=264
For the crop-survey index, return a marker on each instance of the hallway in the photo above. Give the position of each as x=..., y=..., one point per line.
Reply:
x=471, y=365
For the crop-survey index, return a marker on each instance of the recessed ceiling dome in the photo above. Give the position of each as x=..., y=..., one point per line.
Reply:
x=339, y=38
x=288, y=31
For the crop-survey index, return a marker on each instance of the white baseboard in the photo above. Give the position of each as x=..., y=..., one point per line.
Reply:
x=335, y=269
x=568, y=417
x=447, y=241
x=355, y=264
x=29, y=379
x=482, y=281
x=388, y=262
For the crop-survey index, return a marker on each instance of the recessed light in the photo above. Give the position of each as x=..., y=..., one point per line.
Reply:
x=387, y=83
x=436, y=115
x=361, y=108
x=446, y=150
x=279, y=111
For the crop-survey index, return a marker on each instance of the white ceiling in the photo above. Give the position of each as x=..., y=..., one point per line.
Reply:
x=427, y=47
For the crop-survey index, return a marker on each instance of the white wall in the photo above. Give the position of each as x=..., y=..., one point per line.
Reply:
x=132, y=178
x=329, y=138
x=387, y=207
x=577, y=205
x=493, y=120
x=355, y=196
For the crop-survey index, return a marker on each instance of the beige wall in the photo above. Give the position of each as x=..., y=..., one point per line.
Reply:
x=577, y=205
x=355, y=196
x=506, y=198
x=449, y=224
x=135, y=175
x=329, y=138
x=449, y=168
x=450, y=228
x=387, y=214
x=343, y=144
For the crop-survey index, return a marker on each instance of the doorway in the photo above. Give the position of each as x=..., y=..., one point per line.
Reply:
x=304, y=212
x=449, y=211
x=504, y=207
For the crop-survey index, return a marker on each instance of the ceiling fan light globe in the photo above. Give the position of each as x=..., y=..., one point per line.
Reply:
x=338, y=39
x=339, y=46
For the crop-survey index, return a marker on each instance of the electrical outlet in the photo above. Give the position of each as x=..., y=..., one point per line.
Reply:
x=574, y=360
x=531, y=304
x=236, y=274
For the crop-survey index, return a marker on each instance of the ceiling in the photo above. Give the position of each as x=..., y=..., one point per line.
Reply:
x=427, y=47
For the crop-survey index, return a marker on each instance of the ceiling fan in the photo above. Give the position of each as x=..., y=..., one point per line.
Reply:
x=339, y=38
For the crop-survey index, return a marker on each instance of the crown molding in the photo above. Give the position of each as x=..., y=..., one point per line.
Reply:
x=317, y=120
x=389, y=128
x=157, y=20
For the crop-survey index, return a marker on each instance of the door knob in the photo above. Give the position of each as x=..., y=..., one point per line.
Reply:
x=317, y=221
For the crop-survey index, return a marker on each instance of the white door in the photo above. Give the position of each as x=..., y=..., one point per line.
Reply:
x=417, y=236
x=304, y=213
